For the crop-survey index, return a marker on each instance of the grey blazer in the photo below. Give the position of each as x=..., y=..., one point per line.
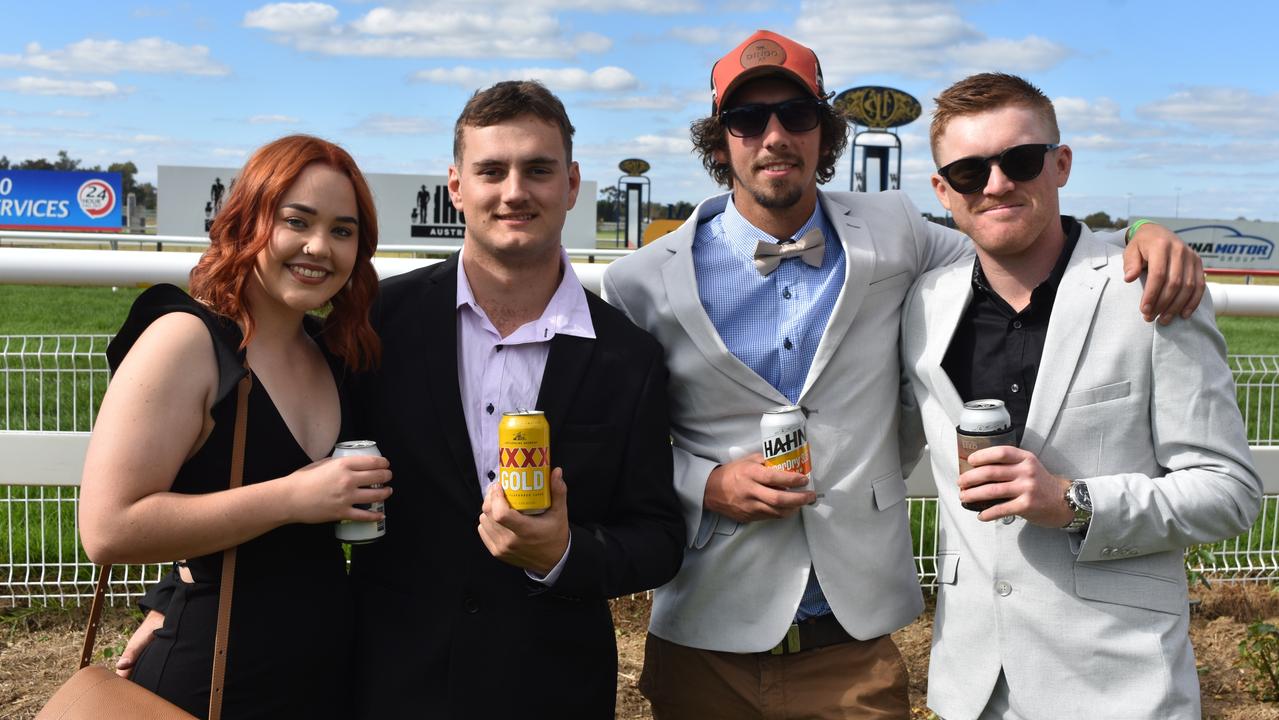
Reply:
x=1092, y=626
x=740, y=585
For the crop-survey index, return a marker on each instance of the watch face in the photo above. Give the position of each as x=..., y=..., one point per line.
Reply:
x=1082, y=498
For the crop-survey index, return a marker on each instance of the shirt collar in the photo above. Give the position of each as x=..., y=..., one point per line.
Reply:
x=1070, y=226
x=567, y=312
x=741, y=235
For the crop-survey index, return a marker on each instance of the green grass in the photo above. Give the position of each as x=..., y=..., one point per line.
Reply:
x=48, y=310
x=44, y=309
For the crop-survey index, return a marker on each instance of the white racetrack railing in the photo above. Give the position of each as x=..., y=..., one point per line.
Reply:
x=51, y=385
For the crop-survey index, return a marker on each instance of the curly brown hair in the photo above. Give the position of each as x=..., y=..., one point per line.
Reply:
x=244, y=226
x=710, y=138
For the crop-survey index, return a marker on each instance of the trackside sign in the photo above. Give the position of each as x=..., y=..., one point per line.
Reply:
x=55, y=200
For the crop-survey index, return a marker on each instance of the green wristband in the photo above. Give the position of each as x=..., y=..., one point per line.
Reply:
x=1132, y=230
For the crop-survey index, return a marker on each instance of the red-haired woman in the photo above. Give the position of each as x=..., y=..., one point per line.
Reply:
x=296, y=234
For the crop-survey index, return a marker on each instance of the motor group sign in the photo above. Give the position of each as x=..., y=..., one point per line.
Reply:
x=54, y=200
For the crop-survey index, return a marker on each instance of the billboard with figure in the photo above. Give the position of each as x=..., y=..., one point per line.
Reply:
x=411, y=209
x=70, y=201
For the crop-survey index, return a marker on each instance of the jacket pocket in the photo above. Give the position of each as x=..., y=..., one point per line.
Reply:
x=947, y=566
x=1095, y=581
x=889, y=490
x=1101, y=394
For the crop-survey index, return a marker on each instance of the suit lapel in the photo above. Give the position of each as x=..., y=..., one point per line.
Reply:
x=859, y=268
x=954, y=291
x=680, y=280
x=565, y=368
x=438, y=345
x=1072, y=317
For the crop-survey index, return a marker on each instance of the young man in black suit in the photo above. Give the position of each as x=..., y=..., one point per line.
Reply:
x=467, y=608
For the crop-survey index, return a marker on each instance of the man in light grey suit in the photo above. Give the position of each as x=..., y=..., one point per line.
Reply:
x=785, y=601
x=1066, y=597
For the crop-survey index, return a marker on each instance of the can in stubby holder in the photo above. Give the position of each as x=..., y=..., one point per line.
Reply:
x=784, y=441
x=358, y=532
x=524, y=460
x=982, y=424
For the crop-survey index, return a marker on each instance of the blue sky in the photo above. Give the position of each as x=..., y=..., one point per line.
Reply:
x=1171, y=107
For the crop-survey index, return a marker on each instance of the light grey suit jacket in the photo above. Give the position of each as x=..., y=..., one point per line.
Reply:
x=1093, y=626
x=740, y=585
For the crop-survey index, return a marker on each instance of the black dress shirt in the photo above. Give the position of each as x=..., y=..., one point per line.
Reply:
x=995, y=352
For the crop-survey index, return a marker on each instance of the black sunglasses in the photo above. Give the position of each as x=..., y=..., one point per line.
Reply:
x=798, y=115
x=1020, y=163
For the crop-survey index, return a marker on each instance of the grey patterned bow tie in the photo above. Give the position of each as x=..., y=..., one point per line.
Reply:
x=809, y=247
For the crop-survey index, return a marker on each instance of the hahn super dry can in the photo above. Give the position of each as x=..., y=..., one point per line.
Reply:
x=358, y=532
x=524, y=460
x=785, y=442
x=982, y=424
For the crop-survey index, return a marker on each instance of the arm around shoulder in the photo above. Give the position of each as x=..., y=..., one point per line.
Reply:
x=1211, y=490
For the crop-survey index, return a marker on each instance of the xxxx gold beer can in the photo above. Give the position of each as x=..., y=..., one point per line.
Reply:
x=358, y=532
x=982, y=424
x=785, y=442
x=524, y=458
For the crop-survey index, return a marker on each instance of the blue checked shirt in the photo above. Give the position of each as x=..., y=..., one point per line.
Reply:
x=771, y=323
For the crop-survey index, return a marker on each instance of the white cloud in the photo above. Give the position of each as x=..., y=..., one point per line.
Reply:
x=479, y=29
x=29, y=85
x=145, y=55
x=273, y=119
x=706, y=35
x=914, y=38
x=292, y=17
x=384, y=124
x=229, y=152
x=606, y=79
x=1219, y=109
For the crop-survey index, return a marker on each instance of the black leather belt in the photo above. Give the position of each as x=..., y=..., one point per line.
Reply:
x=810, y=634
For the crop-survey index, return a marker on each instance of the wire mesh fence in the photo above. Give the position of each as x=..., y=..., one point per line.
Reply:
x=54, y=383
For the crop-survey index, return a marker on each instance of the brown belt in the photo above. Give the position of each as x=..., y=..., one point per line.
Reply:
x=810, y=634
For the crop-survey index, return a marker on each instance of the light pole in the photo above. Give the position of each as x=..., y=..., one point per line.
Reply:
x=1128, y=217
x=1176, y=212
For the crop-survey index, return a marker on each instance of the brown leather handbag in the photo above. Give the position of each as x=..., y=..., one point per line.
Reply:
x=96, y=693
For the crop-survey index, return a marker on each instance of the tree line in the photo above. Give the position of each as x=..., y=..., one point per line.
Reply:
x=145, y=192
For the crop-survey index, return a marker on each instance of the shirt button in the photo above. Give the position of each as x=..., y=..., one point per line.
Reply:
x=786, y=293
x=492, y=475
x=1003, y=588
x=1015, y=387
x=470, y=605
x=1017, y=324
x=787, y=344
x=489, y=408
x=1008, y=519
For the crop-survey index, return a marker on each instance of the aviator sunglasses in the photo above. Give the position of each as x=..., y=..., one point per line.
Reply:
x=798, y=115
x=1020, y=163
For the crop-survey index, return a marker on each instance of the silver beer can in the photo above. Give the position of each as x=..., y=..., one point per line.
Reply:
x=982, y=424
x=358, y=532
x=784, y=442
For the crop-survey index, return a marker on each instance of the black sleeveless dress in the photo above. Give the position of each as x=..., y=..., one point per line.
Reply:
x=289, y=644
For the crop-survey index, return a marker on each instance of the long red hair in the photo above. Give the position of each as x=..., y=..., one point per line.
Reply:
x=244, y=225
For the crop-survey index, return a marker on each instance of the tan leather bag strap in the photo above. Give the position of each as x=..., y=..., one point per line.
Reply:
x=95, y=617
x=228, y=569
x=228, y=556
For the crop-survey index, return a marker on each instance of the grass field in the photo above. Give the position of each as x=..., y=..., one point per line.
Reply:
x=42, y=525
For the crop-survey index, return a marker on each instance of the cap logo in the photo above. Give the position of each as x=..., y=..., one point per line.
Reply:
x=763, y=52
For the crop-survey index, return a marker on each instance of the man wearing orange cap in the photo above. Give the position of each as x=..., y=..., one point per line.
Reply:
x=779, y=294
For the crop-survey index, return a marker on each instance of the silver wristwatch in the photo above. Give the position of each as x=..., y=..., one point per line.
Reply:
x=1080, y=502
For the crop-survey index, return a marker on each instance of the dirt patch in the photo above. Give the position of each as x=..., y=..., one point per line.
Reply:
x=39, y=649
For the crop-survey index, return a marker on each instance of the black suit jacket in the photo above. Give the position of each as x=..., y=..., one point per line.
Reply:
x=444, y=630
